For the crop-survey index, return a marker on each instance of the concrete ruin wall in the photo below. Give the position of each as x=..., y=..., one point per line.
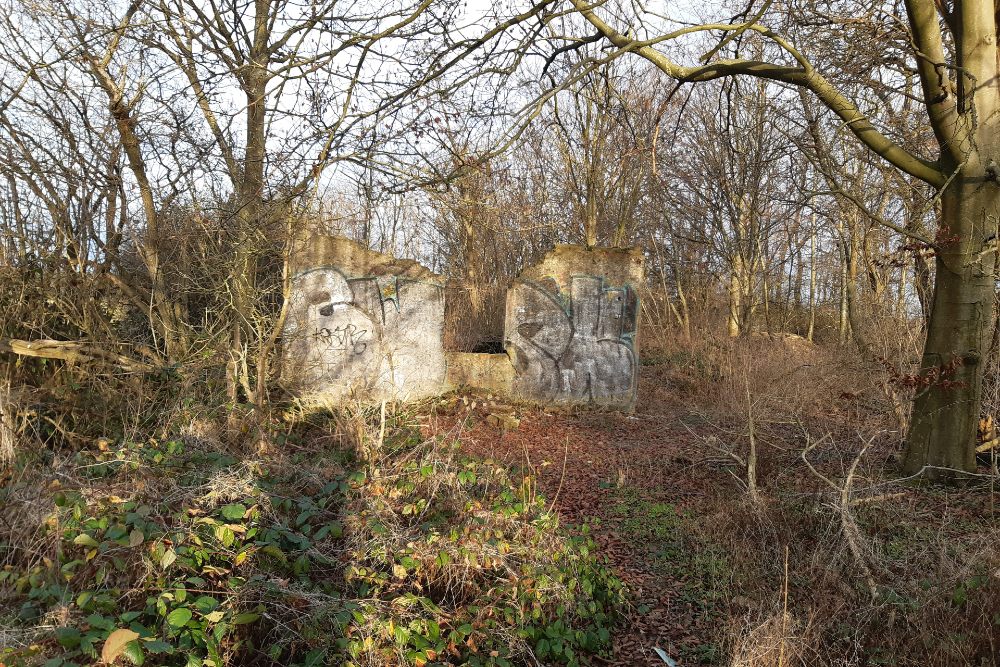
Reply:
x=570, y=328
x=362, y=325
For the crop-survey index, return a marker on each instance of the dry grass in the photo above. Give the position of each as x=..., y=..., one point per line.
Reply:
x=881, y=571
x=780, y=640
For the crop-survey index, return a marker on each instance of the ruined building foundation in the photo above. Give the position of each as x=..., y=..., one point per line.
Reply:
x=363, y=326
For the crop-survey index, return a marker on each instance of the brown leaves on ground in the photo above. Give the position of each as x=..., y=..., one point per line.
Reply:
x=706, y=568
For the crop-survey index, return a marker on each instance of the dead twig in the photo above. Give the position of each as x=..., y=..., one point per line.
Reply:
x=848, y=525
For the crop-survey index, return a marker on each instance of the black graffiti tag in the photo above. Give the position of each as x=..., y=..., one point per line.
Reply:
x=347, y=337
x=580, y=348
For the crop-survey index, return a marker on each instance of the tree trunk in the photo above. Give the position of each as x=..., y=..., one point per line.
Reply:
x=922, y=284
x=947, y=406
x=843, y=327
x=735, y=304
x=590, y=222
x=250, y=213
x=685, y=314
x=812, y=281
x=765, y=286
x=901, y=294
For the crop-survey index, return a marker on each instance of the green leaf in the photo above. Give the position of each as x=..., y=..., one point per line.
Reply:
x=102, y=622
x=85, y=540
x=68, y=637
x=135, y=538
x=169, y=556
x=178, y=618
x=248, y=617
x=206, y=603
x=234, y=511
x=315, y=658
x=336, y=529
x=158, y=646
x=225, y=535
x=134, y=653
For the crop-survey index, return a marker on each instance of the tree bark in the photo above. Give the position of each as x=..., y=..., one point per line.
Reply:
x=843, y=328
x=812, y=281
x=735, y=305
x=947, y=408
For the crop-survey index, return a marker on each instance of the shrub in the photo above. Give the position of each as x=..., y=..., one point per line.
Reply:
x=180, y=553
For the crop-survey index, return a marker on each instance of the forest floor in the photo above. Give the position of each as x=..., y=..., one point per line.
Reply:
x=709, y=571
x=303, y=537
x=633, y=479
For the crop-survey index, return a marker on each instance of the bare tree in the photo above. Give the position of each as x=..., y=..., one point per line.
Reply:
x=953, y=51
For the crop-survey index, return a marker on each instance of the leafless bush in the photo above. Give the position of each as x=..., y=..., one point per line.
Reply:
x=474, y=317
x=780, y=640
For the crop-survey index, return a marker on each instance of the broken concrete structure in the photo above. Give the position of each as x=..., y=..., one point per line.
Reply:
x=570, y=328
x=492, y=373
x=362, y=325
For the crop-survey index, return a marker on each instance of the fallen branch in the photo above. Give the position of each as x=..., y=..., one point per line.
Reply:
x=876, y=499
x=849, y=526
x=72, y=352
x=987, y=446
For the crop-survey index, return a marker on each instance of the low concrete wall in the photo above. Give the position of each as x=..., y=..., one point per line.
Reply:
x=366, y=326
x=489, y=372
x=362, y=325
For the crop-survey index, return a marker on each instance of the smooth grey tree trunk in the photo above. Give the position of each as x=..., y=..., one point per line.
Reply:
x=947, y=405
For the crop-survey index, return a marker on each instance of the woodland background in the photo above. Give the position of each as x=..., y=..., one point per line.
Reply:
x=164, y=499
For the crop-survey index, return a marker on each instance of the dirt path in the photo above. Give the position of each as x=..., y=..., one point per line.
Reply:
x=584, y=462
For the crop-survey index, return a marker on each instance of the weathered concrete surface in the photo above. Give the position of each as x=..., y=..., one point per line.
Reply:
x=353, y=258
x=490, y=372
x=570, y=328
x=618, y=266
x=362, y=325
x=366, y=326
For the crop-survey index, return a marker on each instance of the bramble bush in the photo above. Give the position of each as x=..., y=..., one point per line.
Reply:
x=180, y=552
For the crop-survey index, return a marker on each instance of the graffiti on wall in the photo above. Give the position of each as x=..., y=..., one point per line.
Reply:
x=579, y=349
x=380, y=337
